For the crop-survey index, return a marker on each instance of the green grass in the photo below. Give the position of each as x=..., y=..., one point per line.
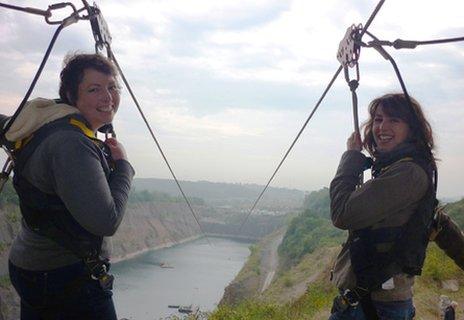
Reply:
x=5, y=281
x=438, y=266
x=252, y=266
x=317, y=298
x=316, y=302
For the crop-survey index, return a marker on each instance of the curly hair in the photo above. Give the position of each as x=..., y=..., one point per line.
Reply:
x=73, y=72
x=397, y=105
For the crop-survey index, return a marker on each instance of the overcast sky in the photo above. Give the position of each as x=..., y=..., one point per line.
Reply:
x=227, y=84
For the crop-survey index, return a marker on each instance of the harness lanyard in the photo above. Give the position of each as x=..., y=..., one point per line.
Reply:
x=348, y=56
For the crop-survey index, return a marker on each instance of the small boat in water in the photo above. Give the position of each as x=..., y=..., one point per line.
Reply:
x=185, y=309
x=165, y=265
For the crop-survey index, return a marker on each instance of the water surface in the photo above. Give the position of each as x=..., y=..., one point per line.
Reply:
x=197, y=274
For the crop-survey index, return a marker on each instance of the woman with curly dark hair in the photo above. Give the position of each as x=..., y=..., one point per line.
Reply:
x=388, y=217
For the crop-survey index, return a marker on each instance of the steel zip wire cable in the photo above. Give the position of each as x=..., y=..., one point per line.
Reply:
x=438, y=41
x=157, y=143
x=410, y=44
x=340, y=68
x=371, y=18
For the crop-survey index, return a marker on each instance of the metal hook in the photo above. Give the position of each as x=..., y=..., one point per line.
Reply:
x=58, y=6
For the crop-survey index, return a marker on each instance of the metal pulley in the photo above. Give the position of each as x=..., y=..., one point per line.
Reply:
x=100, y=29
x=349, y=48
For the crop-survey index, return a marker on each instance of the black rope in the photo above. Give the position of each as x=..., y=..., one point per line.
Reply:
x=410, y=44
x=34, y=82
x=44, y=13
x=112, y=57
x=293, y=143
x=438, y=41
x=388, y=57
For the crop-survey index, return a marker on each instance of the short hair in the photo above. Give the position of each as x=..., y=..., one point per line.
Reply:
x=397, y=105
x=72, y=73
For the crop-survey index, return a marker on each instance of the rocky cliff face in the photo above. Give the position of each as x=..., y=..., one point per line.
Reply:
x=153, y=225
x=146, y=226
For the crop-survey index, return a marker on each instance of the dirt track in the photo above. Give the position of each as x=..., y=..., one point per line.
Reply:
x=270, y=261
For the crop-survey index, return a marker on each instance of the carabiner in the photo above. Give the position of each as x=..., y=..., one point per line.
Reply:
x=58, y=6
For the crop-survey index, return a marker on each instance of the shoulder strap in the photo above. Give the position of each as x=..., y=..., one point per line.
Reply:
x=26, y=147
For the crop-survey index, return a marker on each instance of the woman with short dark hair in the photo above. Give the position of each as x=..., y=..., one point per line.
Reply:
x=73, y=190
x=388, y=217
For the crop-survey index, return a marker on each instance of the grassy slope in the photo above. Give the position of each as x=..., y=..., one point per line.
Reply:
x=313, y=270
x=315, y=303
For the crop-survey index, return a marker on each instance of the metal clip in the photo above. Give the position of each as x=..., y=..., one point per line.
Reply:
x=57, y=6
x=350, y=298
x=100, y=30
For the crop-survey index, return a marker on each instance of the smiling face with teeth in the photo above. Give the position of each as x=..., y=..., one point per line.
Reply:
x=388, y=131
x=98, y=97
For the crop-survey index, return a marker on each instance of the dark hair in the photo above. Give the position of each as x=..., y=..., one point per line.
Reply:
x=397, y=105
x=73, y=72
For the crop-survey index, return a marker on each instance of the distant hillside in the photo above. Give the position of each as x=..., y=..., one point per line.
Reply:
x=456, y=211
x=311, y=229
x=225, y=193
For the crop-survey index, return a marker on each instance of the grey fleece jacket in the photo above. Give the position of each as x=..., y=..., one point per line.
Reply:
x=386, y=201
x=69, y=165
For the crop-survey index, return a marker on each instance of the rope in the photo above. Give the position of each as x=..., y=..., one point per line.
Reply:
x=34, y=82
x=112, y=57
x=411, y=44
x=293, y=143
x=44, y=13
x=388, y=57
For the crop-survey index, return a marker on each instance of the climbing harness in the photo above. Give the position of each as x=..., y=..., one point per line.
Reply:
x=348, y=55
x=46, y=214
x=103, y=40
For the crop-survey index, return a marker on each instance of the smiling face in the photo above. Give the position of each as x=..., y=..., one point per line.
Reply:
x=97, y=98
x=388, y=131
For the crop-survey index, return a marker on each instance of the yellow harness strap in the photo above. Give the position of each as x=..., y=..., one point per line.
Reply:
x=79, y=124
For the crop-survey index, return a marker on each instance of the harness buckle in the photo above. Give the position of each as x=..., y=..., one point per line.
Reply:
x=99, y=271
x=350, y=297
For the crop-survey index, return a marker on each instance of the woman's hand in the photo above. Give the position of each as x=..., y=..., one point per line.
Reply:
x=117, y=150
x=354, y=142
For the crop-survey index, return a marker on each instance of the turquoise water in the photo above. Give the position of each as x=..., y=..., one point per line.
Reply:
x=197, y=275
